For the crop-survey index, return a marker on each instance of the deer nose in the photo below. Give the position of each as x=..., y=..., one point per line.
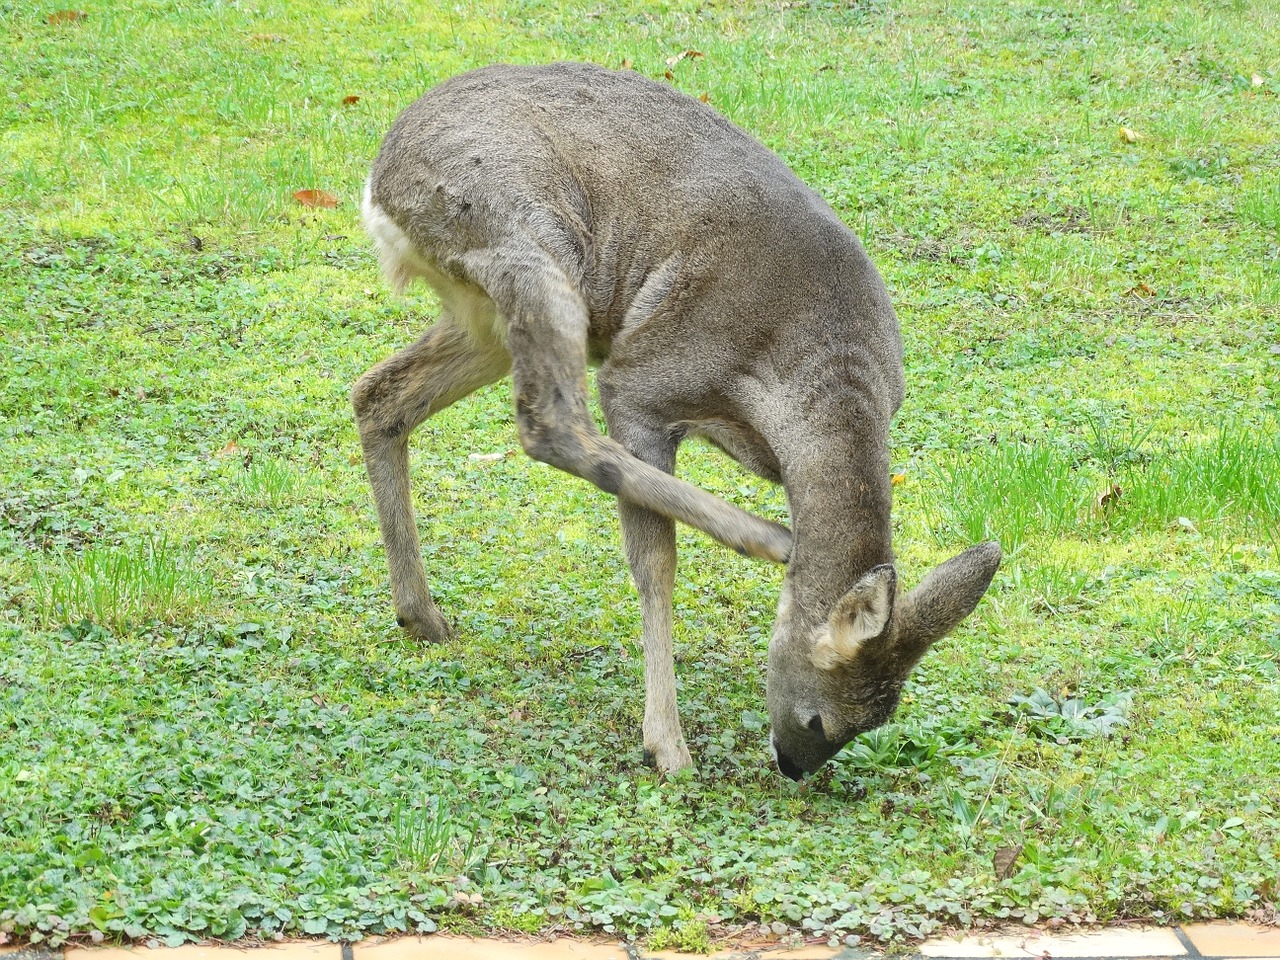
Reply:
x=788, y=767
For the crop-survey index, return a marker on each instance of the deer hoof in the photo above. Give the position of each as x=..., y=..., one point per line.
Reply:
x=431, y=628
x=668, y=759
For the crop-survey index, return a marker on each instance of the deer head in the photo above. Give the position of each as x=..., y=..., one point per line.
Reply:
x=838, y=674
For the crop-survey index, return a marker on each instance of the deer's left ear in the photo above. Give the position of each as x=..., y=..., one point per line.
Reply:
x=861, y=615
x=943, y=598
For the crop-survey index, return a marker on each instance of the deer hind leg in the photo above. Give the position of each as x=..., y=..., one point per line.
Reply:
x=394, y=397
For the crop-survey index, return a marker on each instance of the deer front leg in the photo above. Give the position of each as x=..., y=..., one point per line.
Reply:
x=546, y=323
x=649, y=541
x=390, y=400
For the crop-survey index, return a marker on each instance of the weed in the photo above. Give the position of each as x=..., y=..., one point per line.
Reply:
x=1114, y=441
x=1071, y=718
x=1009, y=492
x=121, y=587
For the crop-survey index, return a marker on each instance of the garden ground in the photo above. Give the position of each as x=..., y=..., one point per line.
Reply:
x=211, y=729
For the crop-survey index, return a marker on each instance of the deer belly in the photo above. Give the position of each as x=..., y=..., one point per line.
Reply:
x=741, y=442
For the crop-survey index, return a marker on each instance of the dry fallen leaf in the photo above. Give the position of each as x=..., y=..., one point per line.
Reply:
x=350, y=100
x=1129, y=136
x=1141, y=290
x=704, y=97
x=231, y=448
x=1109, y=497
x=668, y=74
x=686, y=55
x=626, y=64
x=66, y=16
x=316, y=198
x=1004, y=861
x=898, y=479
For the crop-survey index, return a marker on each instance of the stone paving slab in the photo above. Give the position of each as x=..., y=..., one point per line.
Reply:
x=1218, y=940
x=1234, y=939
x=296, y=950
x=1111, y=942
x=464, y=948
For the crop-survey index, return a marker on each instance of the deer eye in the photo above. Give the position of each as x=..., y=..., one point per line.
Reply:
x=815, y=724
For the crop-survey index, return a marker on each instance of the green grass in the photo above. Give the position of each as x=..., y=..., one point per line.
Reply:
x=209, y=724
x=121, y=587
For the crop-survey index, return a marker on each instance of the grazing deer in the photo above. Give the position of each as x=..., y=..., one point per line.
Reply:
x=569, y=214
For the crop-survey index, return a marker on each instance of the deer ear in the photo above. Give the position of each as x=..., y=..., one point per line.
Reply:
x=860, y=615
x=944, y=598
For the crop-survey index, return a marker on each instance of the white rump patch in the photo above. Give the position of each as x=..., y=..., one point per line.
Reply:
x=400, y=262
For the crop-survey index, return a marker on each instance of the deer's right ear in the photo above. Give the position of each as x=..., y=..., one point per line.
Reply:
x=860, y=615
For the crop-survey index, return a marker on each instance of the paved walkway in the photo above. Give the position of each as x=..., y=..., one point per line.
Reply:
x=1218, y=941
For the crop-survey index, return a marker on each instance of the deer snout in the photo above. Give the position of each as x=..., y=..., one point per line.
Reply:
x=786, y=766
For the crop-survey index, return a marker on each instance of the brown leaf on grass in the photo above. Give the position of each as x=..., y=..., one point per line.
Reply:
x=626, y=64
x=316, y=198
x=66, y=16
x=704, y=97
x=1004, y=860
x=1141, y=290
x=668, y=74
x=230, y=449
x=1129, y=136
x=351, y=100
x=686, y=55
x=1106, y=500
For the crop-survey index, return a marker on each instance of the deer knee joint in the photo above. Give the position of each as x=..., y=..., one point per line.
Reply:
x=607, y=476
x=546, y=443
x=374, y=416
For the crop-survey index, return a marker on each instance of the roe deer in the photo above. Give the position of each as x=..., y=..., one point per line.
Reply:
x=569, y=214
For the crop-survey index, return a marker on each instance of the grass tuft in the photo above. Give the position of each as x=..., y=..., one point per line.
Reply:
x=1008, y=492
x=1261, y=205
x=421, y=837
x=121, y=587
x=1231, y=480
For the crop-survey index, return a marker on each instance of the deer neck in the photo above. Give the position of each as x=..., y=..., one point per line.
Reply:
x=839, y=495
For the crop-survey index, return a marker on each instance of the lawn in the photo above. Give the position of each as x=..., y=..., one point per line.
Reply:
x=210, y=726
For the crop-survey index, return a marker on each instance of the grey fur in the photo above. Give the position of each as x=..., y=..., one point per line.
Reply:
x=569, y=214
